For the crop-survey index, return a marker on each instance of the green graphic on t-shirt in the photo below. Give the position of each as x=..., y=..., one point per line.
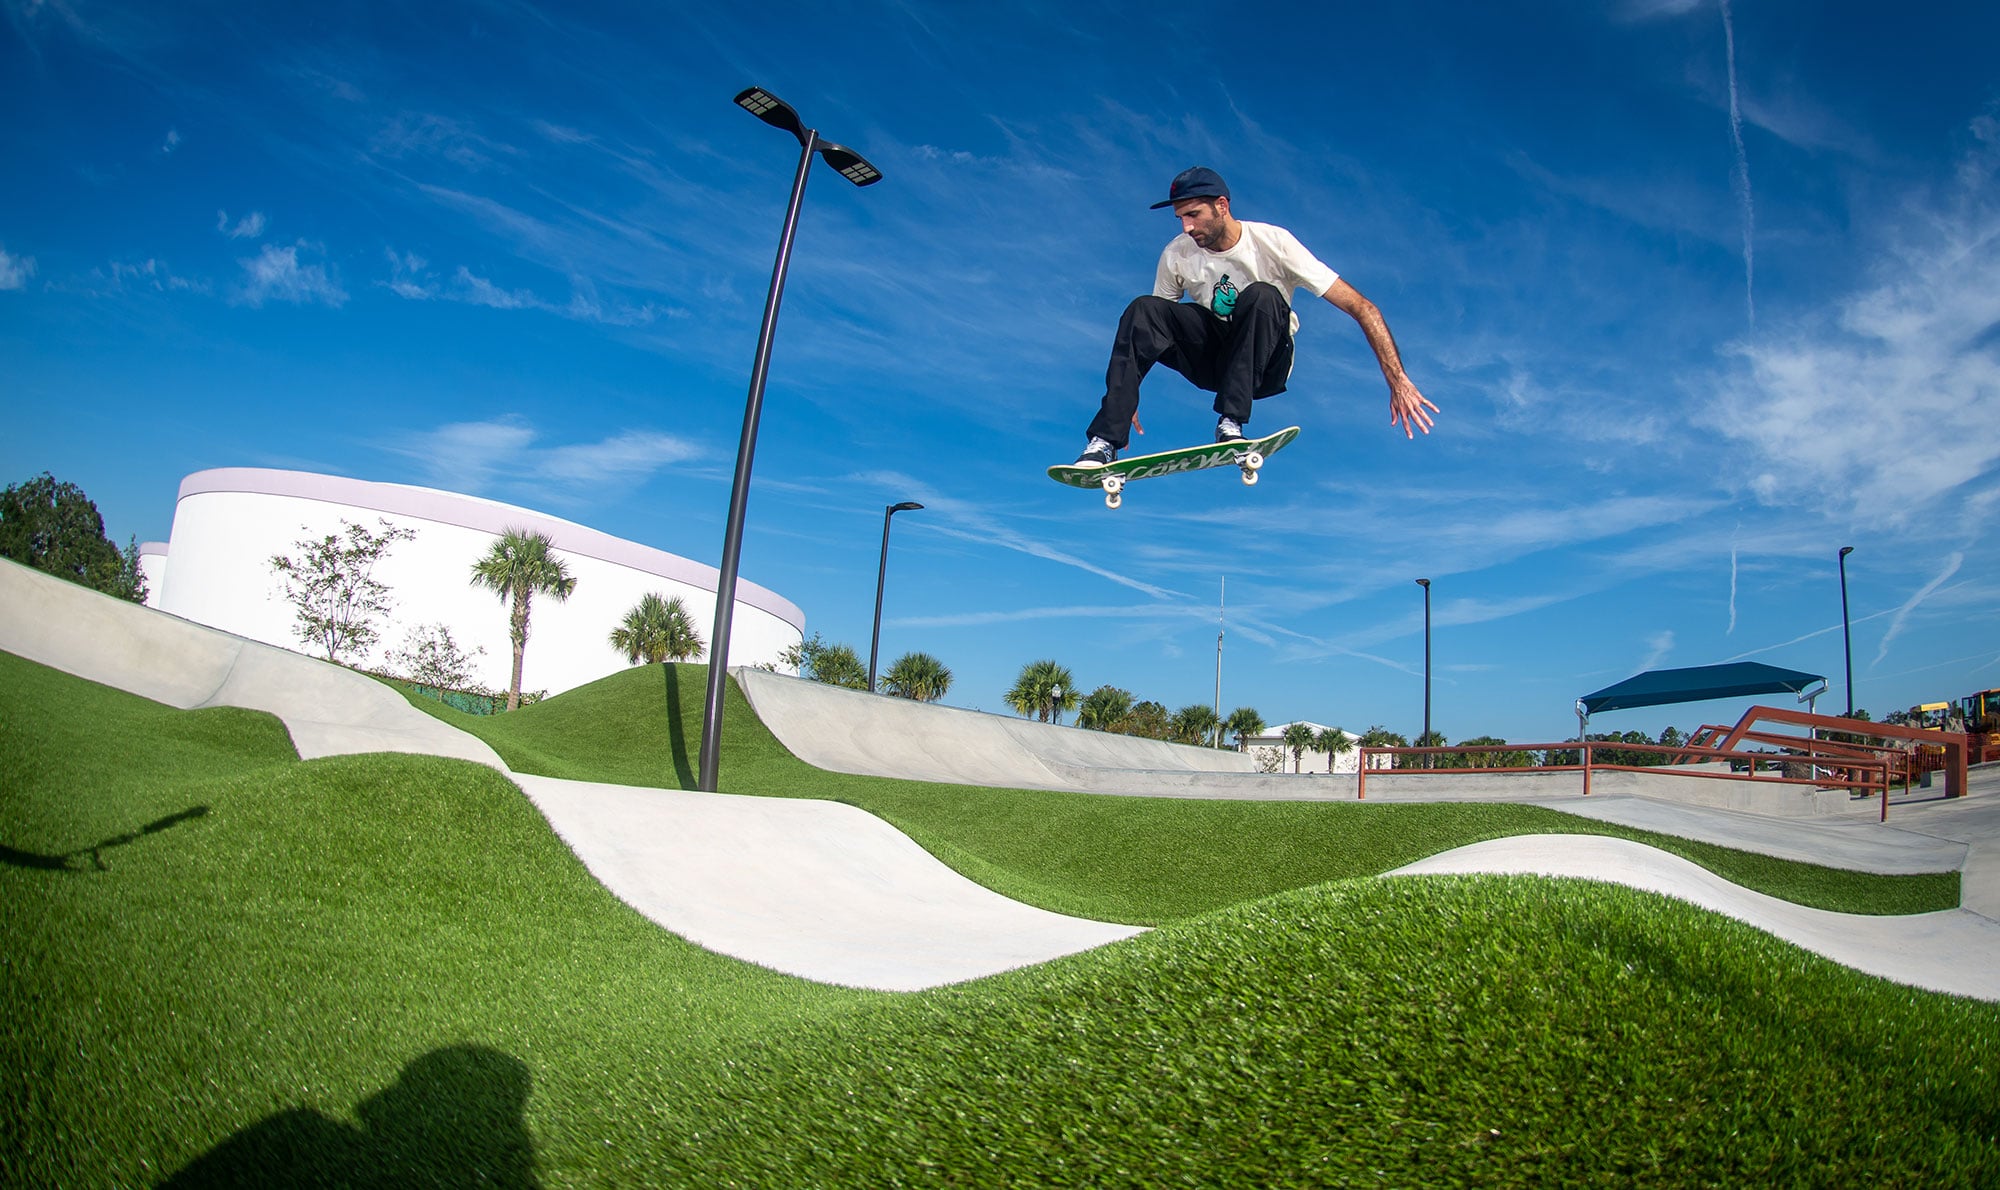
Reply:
x=1223, y=299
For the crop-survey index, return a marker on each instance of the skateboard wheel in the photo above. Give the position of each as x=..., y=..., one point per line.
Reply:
x=1252, y=461
x=1113, y=499
x=1249, y=477
x=1113, y=484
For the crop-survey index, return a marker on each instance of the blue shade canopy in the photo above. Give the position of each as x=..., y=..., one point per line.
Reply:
x=1697, y=684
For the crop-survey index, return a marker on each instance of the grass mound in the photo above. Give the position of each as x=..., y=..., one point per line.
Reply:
x=387, y=970
x=1134, y=860
x=1424, y=1031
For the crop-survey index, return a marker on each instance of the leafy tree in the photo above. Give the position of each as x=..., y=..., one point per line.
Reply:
x=1148, y=720
x=800, y=657
x=835, y=665
x=840, y=665
x=1044, y=689
x=1491, y=758
x=919, y=676
x=1242, y=723
x=431, y=657
x=1378, y=736
x=1298, y=739
x=1103, y=708
x=1334, y=743
x=657, y=630
x=54, y=528
x=332, y=587
x=519, y=566
x=1195, y=723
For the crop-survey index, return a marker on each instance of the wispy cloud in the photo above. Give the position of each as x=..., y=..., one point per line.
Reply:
x=972, y=522
x=1902, y=616
x=1731, y=630
x=247, y=228
x=276, y=275
x=127, y=277
x=172, y=142
x=15, y=270
x=1658, y=646
x=1907, y=359
x=478, y=457
x=410, y=277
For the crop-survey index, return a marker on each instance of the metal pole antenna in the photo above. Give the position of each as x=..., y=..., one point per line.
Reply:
x=1426, y=585
x=739, y=492
x=1220, y=601
x=1846, y=636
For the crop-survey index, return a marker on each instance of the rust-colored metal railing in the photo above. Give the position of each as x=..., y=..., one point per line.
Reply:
x=1827, y=768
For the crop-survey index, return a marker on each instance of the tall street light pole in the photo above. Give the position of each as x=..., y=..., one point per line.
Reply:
x=852, y=166
x=1846, y=636
x=881, y=573
x=1426, y=585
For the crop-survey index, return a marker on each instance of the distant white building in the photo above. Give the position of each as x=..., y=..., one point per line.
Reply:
x=230, y=522
x=1309, y=761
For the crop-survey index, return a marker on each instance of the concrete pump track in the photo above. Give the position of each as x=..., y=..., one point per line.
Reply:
x=832, y=893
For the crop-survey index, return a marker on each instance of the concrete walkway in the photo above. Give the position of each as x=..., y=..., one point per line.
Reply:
x=831, y=893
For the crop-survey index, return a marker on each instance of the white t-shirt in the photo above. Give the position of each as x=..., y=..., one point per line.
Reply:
x=1264, y=252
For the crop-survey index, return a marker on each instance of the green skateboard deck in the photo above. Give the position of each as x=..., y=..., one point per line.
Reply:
x=1247, y=455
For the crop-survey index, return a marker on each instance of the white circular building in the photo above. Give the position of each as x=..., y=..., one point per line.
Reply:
x=230, y=522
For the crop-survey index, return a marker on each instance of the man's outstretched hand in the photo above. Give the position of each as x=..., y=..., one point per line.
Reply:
x=1406, y=408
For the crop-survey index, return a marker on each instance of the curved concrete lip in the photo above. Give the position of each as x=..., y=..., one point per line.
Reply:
x=1950, y=951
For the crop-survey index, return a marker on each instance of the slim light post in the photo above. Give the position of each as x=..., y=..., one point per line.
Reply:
x=1426, y=585
x=881, y=573
x=1846, y=637
x=852, y=166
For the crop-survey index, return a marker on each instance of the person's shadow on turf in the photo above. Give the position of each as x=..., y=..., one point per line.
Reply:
x=454, y=1118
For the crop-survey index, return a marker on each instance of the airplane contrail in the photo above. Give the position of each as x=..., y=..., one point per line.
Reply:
x=1740, y=181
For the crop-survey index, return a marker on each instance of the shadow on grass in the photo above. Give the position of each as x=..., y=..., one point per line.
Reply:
x=677, y=728
x=66, y=861
x=453, y=1118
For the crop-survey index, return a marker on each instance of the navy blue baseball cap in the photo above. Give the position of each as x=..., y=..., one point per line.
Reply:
x=1198, y=182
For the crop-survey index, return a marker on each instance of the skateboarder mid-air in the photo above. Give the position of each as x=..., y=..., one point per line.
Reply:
x=1233, y=337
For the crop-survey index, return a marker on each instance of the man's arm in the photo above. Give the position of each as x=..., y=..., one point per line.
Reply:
x=1406, y=404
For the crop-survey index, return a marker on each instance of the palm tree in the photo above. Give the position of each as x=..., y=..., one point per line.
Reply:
x=919, y=676
x=1243, y=722
x=518, y=566
x=1104, y=707
x=657, y=630
x=1194, y=723
x=1045, y=689
x=1333, y=742
x=1298, y=738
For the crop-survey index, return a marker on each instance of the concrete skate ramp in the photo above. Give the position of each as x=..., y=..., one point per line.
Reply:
x=1952, y=950
x=850, y=731
x=329, y=710
x=813, y=889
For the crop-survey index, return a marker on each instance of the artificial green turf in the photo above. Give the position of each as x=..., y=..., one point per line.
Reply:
x=386, y=970
x=1136, y=860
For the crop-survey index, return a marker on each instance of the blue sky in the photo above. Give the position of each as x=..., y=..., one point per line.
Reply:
x=1703, y=292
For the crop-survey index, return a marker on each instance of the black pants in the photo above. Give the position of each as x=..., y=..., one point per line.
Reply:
x=1241, y=360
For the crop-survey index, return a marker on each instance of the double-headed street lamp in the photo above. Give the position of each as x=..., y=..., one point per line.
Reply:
x=1426, y=585
x=881, y=573
x=852, y=166
x=1847, y=639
